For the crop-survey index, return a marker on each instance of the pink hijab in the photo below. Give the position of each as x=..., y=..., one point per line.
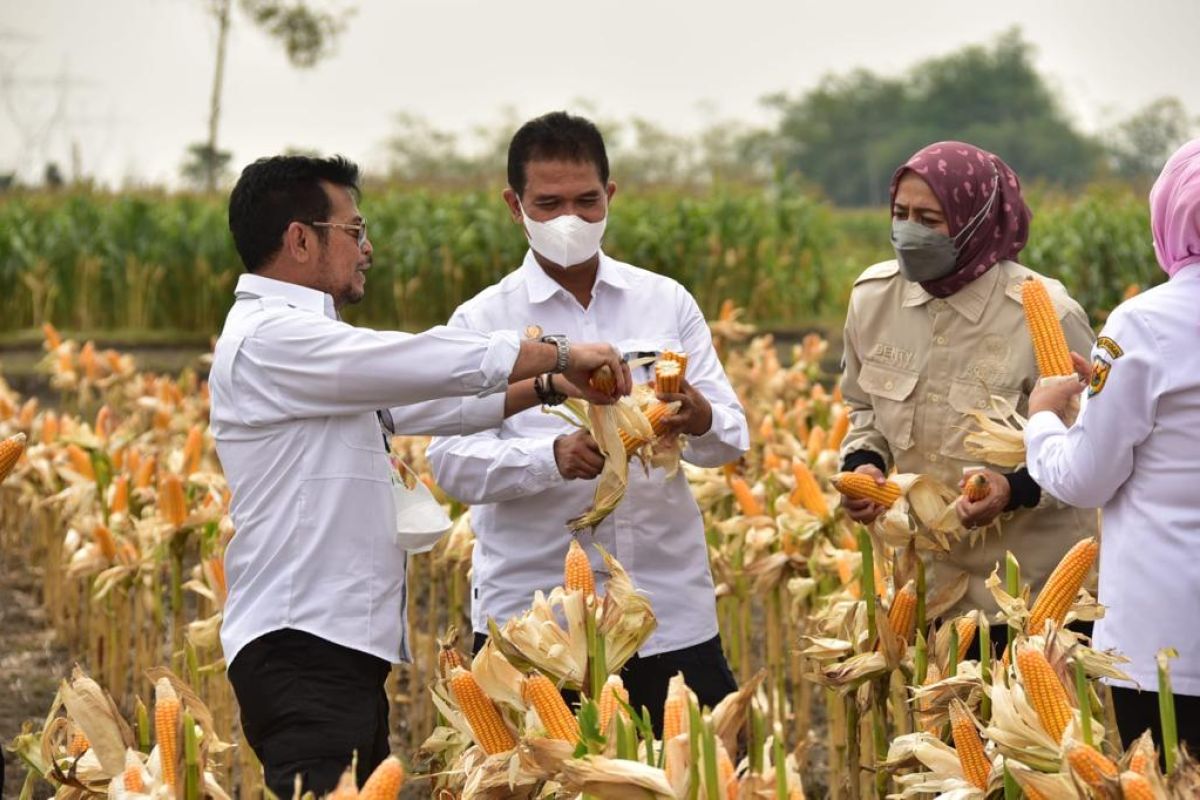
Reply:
x=1175, y=210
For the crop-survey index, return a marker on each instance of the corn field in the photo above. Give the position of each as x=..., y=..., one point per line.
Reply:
x=854, y=684
x=154, y=262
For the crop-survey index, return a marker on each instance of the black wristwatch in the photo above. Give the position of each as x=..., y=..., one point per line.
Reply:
x=564, y=350
x=547, y=395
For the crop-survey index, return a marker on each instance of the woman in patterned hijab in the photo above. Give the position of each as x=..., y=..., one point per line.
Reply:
x=931, y=338
x=982, y=213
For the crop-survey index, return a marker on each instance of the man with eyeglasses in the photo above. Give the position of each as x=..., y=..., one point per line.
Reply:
x=300, y=403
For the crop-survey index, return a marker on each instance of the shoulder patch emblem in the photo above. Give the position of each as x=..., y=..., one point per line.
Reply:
x=1100, y=370
x=1109, y=346
x=533, y=331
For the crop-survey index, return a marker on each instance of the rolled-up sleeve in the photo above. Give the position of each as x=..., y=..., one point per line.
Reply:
x=314, y=366
x=483, y=468
x=729, y=435
x=1086, y=464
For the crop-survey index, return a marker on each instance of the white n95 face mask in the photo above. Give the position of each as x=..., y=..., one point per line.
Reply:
x=567, y=240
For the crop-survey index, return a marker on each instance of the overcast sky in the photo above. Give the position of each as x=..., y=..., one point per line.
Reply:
x=138, y=73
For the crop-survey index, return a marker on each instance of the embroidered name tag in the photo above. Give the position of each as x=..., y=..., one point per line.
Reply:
x=890, y=354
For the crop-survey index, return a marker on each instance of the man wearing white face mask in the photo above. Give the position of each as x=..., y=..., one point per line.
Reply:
x=526, y=479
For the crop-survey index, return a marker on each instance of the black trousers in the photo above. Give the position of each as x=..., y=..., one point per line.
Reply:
x=1137, y=711
x=307, y=706
x=703, y=666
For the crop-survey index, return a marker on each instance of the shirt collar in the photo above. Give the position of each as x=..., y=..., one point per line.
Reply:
x=970, y=301
x=251, y=285
x=542, y=287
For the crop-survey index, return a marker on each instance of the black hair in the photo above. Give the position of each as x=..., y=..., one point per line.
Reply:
x=555, y=136
x=272, y=193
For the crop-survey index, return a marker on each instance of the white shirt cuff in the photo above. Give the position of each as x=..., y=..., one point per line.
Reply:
x=498, y=362
x=543, y=467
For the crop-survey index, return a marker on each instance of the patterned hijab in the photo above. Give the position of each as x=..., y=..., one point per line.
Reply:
x=1175, y=209
x=965, y=179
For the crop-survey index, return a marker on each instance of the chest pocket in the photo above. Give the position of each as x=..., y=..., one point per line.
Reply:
x=892, y=397
x=364, y=455
x=966, y=397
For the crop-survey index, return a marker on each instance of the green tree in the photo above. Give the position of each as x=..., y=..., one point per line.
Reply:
x=850, y=133
x=1140, y=145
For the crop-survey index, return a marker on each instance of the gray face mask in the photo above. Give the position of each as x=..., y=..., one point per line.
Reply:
x=924, y=254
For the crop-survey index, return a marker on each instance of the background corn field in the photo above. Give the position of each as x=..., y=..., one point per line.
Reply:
x=157, y=262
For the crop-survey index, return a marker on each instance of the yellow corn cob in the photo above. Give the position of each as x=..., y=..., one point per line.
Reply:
x=902, y=616
x=79, y=744
x=1045, y=692
x=166, y=730
x=556, y=718
x=863, y=487
x=193, y=450
x=1056, y=597
x=967, y=625
x=491, y=734
x=976, y=487
x=1090, y=765
x=104, y=538
x=614, y=688
x=969, y=746
x=675, y=710
x=103, y=425
x=120, y=495
x=1134, y=786
x=603, y=380
x=816, y=442
x=1049, y=342
x=172, y=504
x=53, y=340
x=668, y=377
x=841, y=426
x=50, y=427
x=745, y=498
x=1143, y=760
x=655, y=413
x=80, y=461
x=216, y=569
x=385, y=781
x=10, y=453
x=131, y=778
x=577, y=571
x=808, y=494
x=679, y=358
x=145, y=472
x=87, y=359
x=726, y=775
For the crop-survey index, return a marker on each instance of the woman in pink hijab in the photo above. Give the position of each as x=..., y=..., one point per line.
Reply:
x=1134, y=453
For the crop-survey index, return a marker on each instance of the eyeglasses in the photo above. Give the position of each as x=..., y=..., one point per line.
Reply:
x=359, y=229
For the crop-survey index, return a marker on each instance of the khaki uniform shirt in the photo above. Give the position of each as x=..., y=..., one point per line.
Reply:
x=916, y=365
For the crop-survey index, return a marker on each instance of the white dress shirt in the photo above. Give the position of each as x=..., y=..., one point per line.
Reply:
x=294, y=400
x=520, y=502
x=1134, y=452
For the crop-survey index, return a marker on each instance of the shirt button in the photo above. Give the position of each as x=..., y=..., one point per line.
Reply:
x=889, y=384
x=933, y=457
x=981, y=403
x=935, y=398
x=940, y=340
x=939, y=556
